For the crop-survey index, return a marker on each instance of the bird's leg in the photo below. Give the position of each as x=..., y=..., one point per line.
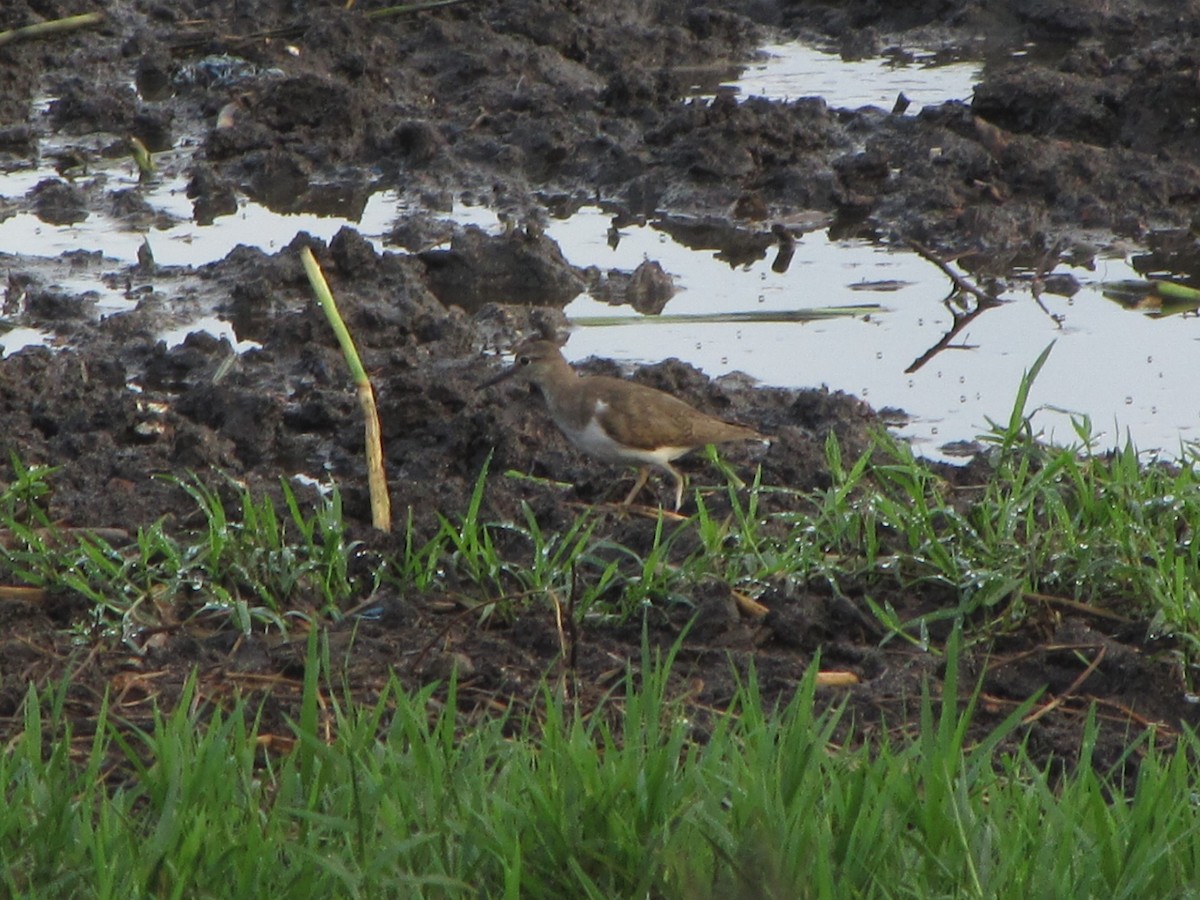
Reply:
x=679, y=482
x=643, y=476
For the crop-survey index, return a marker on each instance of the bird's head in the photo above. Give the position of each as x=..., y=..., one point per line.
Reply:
x=536, y=360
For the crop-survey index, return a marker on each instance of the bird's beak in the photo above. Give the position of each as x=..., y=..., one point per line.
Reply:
x=496, y=379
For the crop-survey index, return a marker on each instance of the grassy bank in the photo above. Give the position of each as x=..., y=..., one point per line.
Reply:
x=401, y=795
x=400, y=803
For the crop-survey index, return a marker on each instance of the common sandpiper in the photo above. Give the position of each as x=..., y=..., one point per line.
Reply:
x=619, y=421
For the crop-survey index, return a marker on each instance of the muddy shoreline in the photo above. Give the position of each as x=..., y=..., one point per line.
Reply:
x=526, y=107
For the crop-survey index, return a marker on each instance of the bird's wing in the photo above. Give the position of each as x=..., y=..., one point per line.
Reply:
x=648, y=418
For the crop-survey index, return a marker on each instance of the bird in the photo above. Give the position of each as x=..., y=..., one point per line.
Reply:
x=618, y=421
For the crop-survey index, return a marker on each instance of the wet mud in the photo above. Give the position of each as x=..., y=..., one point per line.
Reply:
x=534, y=108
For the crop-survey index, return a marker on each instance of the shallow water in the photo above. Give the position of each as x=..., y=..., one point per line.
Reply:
x=850, y=314
x=795, y=69
x=1122, y=368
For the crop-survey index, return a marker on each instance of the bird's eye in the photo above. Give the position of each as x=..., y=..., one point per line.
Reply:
x=522, y=360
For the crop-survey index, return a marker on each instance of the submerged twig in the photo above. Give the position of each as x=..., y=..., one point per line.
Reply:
x=959, y=282
x=986, y=301
x=812, y=314
x=1048, y=261
x=961, y=321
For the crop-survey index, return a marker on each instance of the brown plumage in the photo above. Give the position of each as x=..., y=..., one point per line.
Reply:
x=619, y=421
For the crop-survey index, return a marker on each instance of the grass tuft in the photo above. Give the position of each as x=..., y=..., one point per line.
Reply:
x=398, y=798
